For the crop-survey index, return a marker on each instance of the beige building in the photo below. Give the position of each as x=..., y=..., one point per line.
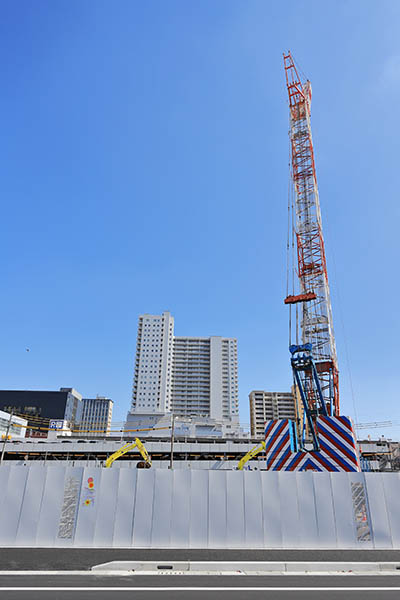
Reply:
x=267, y=406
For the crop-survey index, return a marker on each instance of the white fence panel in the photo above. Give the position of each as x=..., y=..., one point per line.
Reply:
x=30, y=510
x=124, y=512
x=216, y=509
x=107, y=503
x=234, y=510
x=253, y=510
x=180, y=513
x=161, y=526
x=84, y=507
x=11, y=510
x=391, y=486
x=289, y=510
x=325, y=513
x=271, y=511
x=379, y=516
x=88, y=507
x=308, y=527
x=49, y=518
x=199, y=510
x=142, y=524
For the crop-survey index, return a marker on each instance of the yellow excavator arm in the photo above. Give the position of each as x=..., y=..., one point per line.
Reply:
x=251, y=454
x=127, y=448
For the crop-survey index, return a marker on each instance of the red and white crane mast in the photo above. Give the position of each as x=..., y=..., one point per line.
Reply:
x=313, y=293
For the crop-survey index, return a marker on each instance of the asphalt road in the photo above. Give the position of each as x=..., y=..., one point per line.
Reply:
x=80, y=559
x=193, y=587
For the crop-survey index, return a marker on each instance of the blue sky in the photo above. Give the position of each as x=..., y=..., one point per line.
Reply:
x=143, y=167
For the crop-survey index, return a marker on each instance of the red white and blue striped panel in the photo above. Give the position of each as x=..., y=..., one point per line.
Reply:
x=338, y=442
x=337, y=447
x=278, y=443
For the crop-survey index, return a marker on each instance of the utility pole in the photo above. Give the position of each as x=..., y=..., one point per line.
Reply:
x=6, y=436
x=171, y=460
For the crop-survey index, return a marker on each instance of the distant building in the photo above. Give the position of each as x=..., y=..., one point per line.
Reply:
x=15, y=429
x=379, y=455
x=95, y=416
x=186, y=376
x=38, y=407
x=204, y=378
x=153, y=364
x=267, y=406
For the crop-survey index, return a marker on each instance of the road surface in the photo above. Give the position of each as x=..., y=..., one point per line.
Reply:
x=80, y=559
x=196, y=587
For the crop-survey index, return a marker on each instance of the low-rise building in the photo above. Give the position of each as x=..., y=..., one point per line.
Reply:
x=379, y=455
x=38, y=407
x=12, y=427
x=95, y=416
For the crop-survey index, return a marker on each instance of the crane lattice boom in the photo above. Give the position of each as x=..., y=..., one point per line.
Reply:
x=313, y=293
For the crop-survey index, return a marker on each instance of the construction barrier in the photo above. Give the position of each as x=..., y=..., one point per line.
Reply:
x=53, y=506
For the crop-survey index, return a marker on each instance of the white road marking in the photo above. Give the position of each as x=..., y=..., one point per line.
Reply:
x=199, y=589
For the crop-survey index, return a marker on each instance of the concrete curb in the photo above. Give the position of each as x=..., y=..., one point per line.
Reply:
x=246, y=567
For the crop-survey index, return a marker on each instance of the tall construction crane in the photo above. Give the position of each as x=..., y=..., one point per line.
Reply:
x=313, y=357
x=313, y=360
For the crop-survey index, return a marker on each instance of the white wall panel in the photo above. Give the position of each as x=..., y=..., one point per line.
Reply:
x=14, y=495
x=124, y=511
x=308, y=528
x=325, y=514
x=142, y=524
x=391, y=486
x=49, y=517
x=378, y=511
x=162, y=509
x=107, y=503
x=217, y=509
x=254, y=535
x=4, y=476
x=199, y=510
x=271, y=511
x=45, y=506
x=235, y=537
x=30, y=509
x=180, y=511
x=343, y=506
x=289, y=510
x=87, y=513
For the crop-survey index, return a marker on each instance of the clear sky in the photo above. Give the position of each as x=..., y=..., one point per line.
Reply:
x=143, y=167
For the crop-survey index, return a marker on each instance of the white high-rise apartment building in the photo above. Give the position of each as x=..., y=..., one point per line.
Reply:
x=153, y=365
x=204, y=377
x=186, y=376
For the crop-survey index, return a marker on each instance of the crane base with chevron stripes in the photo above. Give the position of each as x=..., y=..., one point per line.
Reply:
x=337, y=443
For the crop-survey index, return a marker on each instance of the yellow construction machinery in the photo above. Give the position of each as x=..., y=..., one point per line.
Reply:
x=127, y=448
x=251, y=454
